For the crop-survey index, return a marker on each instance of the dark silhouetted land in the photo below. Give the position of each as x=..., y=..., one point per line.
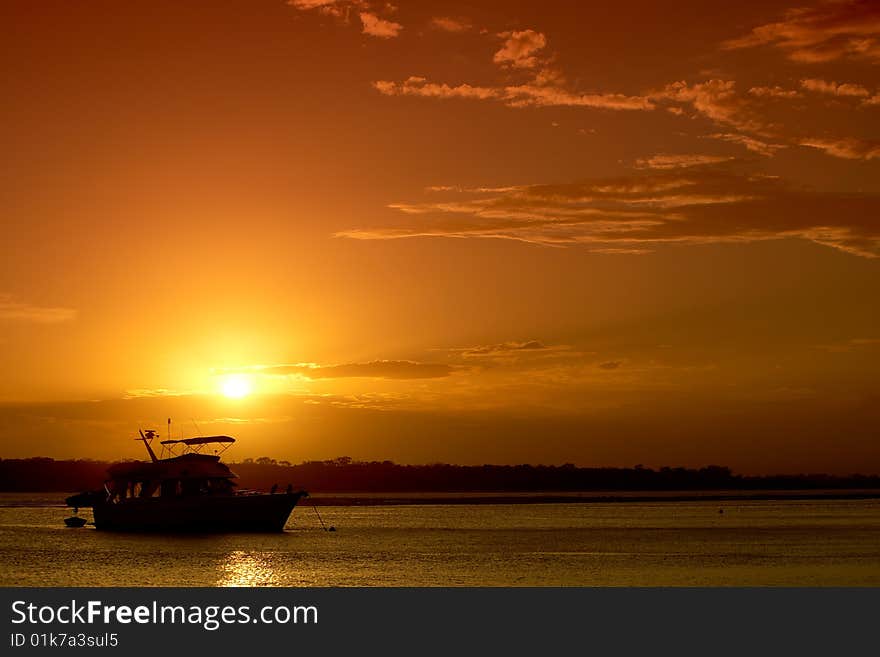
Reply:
x=388, y=482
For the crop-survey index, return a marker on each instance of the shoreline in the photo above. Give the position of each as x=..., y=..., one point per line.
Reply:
x=56, y=499
x=587, y=497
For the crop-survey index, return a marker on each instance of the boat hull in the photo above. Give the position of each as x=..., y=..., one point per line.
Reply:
x=215, y=514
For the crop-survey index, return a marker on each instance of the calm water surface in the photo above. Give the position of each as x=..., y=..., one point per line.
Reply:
x=773, y=543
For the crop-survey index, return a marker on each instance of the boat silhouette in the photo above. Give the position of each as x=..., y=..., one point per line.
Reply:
x=186, y=492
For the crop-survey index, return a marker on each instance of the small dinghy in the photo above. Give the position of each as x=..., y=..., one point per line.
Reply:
x=75, y=521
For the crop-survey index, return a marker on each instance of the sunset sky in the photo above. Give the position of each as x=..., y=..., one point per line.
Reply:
x=603, y=233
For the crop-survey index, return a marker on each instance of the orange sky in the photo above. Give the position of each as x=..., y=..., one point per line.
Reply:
x=599, y=233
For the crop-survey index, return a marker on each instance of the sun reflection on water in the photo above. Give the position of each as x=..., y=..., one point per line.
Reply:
x=248, y=569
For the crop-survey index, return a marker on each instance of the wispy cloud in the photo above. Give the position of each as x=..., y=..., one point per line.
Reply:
x=419, y=86
x=524, y=95
x=379, y=27
x=665, y=161
x=849, y=345
x=537, y=95
x=314, y=4
x=755, y=145
x=774, y=92
x=834, y=88
x=740, y=116
x=822, y=33
x=16, y=311
x=450, y=24
x=848, y=148
x=544, y=86
x=377, y=369
x=509, y=349
x=139, y=393
x=716, y=100
x=638, y=213
x=338, y=8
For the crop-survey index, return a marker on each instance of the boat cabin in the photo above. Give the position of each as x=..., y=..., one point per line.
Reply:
x=185, y=474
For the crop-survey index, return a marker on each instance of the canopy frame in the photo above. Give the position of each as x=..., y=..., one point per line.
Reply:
x=197, y=444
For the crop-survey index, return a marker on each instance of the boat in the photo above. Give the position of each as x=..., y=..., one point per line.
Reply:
x=189, y=491
x=75, y=521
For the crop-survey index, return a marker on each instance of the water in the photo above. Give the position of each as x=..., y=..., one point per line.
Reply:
x=775, y=543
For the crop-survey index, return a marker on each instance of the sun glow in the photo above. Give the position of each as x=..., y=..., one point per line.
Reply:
x=236, y=386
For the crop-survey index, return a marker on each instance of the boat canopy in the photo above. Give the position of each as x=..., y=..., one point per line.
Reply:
x=201, y=440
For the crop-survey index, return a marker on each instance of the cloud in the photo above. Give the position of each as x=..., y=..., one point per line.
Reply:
x=849, y=345
x=419, y=86
x=825, y=32
x=377, y=369
x=834, y=88
x=378, y=27
x=716, y=100
x=774, y=92
x=519, y=49
x=526, y=95
x=450, y=24
x=847, y=148
x=535, y=95
x=661, y=161
x=337, y=8
x=305, y=5
x=641, y=212
x=620, y=251
x=138, y=393
x=504, y=347
x=507, y=349
x=752, y=144
x=16, y=311
x=545, y=88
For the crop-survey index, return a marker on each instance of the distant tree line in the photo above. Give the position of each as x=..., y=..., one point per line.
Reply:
x=344, y=475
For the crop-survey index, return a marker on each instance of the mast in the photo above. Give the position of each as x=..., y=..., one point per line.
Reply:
x=147, y=444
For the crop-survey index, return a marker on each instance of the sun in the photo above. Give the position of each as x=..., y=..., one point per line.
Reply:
x=236, y=386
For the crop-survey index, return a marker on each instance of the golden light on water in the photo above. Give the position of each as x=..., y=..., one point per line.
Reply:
x=247, y=569
x=236, y=386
